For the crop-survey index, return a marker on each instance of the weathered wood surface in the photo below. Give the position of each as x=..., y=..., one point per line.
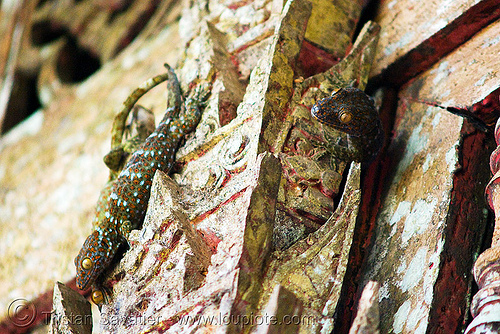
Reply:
x=415, y=36
x=432, y=214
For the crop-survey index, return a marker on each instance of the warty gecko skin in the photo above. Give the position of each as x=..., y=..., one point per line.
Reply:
x=126, y=205
x=353, y=112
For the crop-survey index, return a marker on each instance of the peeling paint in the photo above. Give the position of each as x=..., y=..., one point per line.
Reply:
x=422, y=328
x=431, y=273
x=436, y=120
x=490, y=42
x=452, y=157
x=440, y=24
x=402, y=210
x=482, y=80
x=444, y=6
x=402, y=267
x=417, y=316
x=401, y=317
x=426, y=203
x=427, y=162
x=415, y=270
x=383, y=292
x=401, y=43
x=442, y=72
x=419, y=219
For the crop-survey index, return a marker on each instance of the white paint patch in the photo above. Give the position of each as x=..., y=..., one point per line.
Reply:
x=418, y=220
x=402, y=210
x=417, y=141
x=383, y=292
x=418, y=315
x=401, y=316
x=482, y=80
x=451, y=158
x=327, y=326
x=393, y=230
x=444, y=7
x=436, y=119
x=391, y=4
x=401, y=267
x=416, y=144
x=490, y=42
x=442, y=72
x=433, y=271
x=416, y=270
x=440, y=24
x=422, y=328
x=403, y=41
x=427, y=162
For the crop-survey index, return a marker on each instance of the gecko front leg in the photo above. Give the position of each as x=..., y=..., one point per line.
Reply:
x=141, y=126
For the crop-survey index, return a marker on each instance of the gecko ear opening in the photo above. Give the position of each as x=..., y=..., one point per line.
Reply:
x=87, y=264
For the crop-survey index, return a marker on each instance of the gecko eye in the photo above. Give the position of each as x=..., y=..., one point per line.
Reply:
x=97, y=296
x=345, y=117
x=87, y=263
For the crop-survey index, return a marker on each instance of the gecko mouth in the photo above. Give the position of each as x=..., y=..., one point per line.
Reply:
x=82, y=284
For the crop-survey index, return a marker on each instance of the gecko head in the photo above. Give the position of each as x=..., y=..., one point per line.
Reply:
x=95, y=256
x=349, y=110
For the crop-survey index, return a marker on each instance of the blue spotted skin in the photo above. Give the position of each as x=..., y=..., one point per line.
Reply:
x=124, y=209
x=351, y=111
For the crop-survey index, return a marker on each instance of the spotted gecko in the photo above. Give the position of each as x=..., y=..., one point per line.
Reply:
x=352, y=111
x=125, y=206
